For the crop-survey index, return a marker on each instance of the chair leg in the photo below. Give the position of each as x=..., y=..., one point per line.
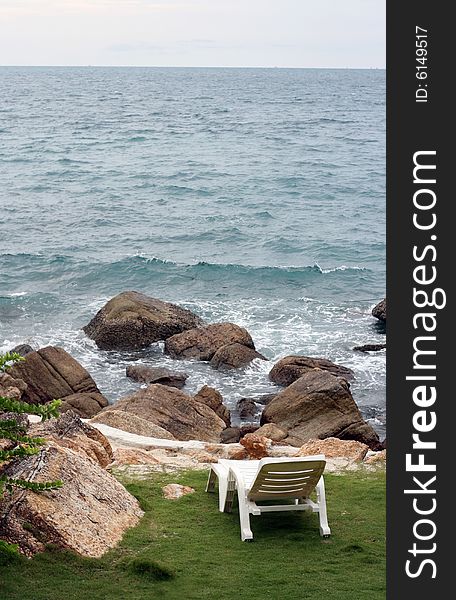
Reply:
x=325, y=531
x=229, y=496
x=244, y=517
x=210, y=486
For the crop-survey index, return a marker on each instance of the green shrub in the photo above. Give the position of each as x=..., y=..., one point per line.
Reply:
x=22, y=444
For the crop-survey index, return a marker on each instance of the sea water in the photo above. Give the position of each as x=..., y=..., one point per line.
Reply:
x=248, y=195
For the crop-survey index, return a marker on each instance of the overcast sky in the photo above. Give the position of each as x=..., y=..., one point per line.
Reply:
x=282, y=33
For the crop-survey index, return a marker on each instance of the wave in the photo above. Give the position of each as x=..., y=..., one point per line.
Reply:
x=143, y=272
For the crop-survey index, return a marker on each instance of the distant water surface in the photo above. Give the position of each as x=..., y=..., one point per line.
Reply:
x=251, y=195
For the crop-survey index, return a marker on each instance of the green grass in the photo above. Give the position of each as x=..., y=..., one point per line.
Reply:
x=185, y=549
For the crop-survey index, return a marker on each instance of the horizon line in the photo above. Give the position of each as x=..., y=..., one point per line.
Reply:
x=189, y=67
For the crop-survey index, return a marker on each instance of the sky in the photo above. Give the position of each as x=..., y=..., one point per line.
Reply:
x=236, y=33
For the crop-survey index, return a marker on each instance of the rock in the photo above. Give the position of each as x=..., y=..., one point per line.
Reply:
x=131, y=423
x=69, y=431
x=234, y=356
x=264, y=399
x=202, y=457
x=230, y=435
x=237, y=453
x=370, y=348
x=22, y=349
x=11, y=387
x=180, y=414
x=145, y=374
x=362, y=432
x=247, y=408
x=21, y=419
x=291, y=368
x=334, y=448
x=379, y=311
x=257, y=446
x=85, y=405
x=133, y=456
x=87, y=515
x=272, y=431
x=52, y=373
x=319, y=405
x=376, y=459
x=132, y=320
x=174, y=491
x=248, y=428
x=203, y=342
x=213, y=398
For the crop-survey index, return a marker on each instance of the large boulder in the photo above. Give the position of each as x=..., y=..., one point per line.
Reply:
x=119, y=419
x=69, y=431
x=87, y=515
x=52, y=373
x=291, y=368
x=316, y=406
x=214, y=399
x=132, y=320
x=180, y=414
x=379, y=310
x=203, y=342
x=145, y=374
x=234, y=356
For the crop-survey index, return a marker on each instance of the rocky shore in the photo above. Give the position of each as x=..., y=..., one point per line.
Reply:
x=161, y=426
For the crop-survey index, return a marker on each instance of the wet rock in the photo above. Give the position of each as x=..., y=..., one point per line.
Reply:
x=230, y=435
x=379, y=311
x=22, y=349
x=264, y=399
x=370, y=348
x=234, y=356
x=213, y=398
x=145, y=374
x=248, y=428
x=51, y=373
x=291, y=368
x=132, y=320
x=203, y=342
x=316, y=406
x=247, y=408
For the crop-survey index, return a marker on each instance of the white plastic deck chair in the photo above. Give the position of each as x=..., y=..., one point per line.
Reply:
x=270, y=479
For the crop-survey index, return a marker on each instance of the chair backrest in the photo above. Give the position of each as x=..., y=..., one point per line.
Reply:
x=286, y=477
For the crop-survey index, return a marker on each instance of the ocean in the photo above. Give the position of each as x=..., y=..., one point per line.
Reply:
x=248, y=195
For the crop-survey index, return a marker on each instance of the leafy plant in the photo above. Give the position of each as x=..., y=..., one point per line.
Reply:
x=22, y=444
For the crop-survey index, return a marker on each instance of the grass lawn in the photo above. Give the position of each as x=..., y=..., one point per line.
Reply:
x=186, y=549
